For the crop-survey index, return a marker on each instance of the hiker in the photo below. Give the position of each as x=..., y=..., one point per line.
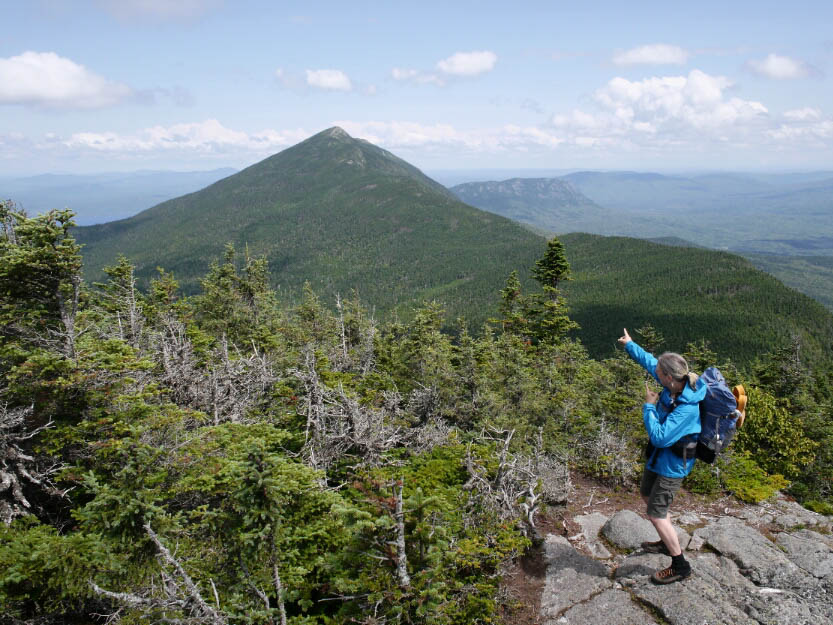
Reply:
x=670, y=417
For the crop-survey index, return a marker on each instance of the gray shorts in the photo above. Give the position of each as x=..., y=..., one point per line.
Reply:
x=660, y=492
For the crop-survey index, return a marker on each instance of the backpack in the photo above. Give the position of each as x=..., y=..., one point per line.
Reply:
x=722, y=410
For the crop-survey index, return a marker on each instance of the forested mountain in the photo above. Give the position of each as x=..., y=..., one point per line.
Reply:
x=738, y=212
x=342, y=214
x=552, y=204
x=783, y=223
x=334, y=211
x=812, y=275
x=688, y=294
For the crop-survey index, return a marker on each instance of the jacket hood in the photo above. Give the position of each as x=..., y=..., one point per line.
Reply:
x=693, y=396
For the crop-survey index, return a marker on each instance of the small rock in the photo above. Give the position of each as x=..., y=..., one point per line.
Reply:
x=628, y=530
x=689, y=518
x=696, y=543
x=591, y=524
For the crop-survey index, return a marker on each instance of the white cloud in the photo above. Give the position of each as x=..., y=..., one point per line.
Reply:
x=806, y=114
x=399, y=135
x=208, y=136
x=331, y=79
x=780, y=67
x=818, y=134
x=806, y=126
x=461, y=64
x=662, y=119
x=468, y=63
x=46, y=79
x=654, y=54
x=416, y=76
x=665, y=115
x=676, y=103
x=400, y=73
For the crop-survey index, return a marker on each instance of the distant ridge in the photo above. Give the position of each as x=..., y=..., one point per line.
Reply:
x=675, y=242
x=552, y=204
x=775, y=219
x=340, y=213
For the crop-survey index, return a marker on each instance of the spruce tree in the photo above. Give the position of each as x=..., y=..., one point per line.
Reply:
x=552, y=268
x=548, y=309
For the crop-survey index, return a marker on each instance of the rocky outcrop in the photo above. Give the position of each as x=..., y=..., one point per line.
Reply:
x=572, y=578
x=755, y=565
x=628, y=530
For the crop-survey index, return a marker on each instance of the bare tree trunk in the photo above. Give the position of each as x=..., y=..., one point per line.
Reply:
x=68, y=311
x=276, y=576
x=342, y=331
x=402, y=558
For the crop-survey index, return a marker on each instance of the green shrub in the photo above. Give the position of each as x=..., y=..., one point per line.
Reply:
x=749, y=482
x=704, y=479
x=822, y=507
x=774, y=436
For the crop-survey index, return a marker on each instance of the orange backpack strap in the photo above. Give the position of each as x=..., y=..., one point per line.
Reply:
x=740, y=396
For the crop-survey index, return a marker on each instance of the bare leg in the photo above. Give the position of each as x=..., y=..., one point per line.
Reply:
x=667, y=534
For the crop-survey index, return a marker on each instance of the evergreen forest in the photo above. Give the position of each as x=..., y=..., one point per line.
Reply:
x=225, y=456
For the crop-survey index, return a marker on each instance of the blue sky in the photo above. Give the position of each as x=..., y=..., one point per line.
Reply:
x=117, y=85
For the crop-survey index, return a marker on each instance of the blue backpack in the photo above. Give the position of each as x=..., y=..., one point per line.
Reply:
x=721, y=412
x=718, y=415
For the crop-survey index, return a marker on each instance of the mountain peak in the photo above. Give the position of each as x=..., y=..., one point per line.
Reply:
x=337, y=212
x=336, y=132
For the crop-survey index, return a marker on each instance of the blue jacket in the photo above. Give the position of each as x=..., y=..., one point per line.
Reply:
x=667, y=423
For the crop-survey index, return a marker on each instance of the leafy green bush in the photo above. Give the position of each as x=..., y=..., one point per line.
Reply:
x=822, y=507
x=704, y=479
x=747, y=481
x=43, y=572
x=773, y=436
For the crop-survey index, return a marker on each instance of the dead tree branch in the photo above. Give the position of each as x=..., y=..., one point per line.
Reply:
x=182, y=596
x=18, y=467
x=227, y=389
x=521, y=482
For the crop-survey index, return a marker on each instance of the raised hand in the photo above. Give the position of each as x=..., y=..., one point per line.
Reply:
x=625, y=338
x=651, y=396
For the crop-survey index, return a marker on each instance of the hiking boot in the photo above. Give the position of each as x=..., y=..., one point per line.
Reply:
x=671, y=575
x=655, y=547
